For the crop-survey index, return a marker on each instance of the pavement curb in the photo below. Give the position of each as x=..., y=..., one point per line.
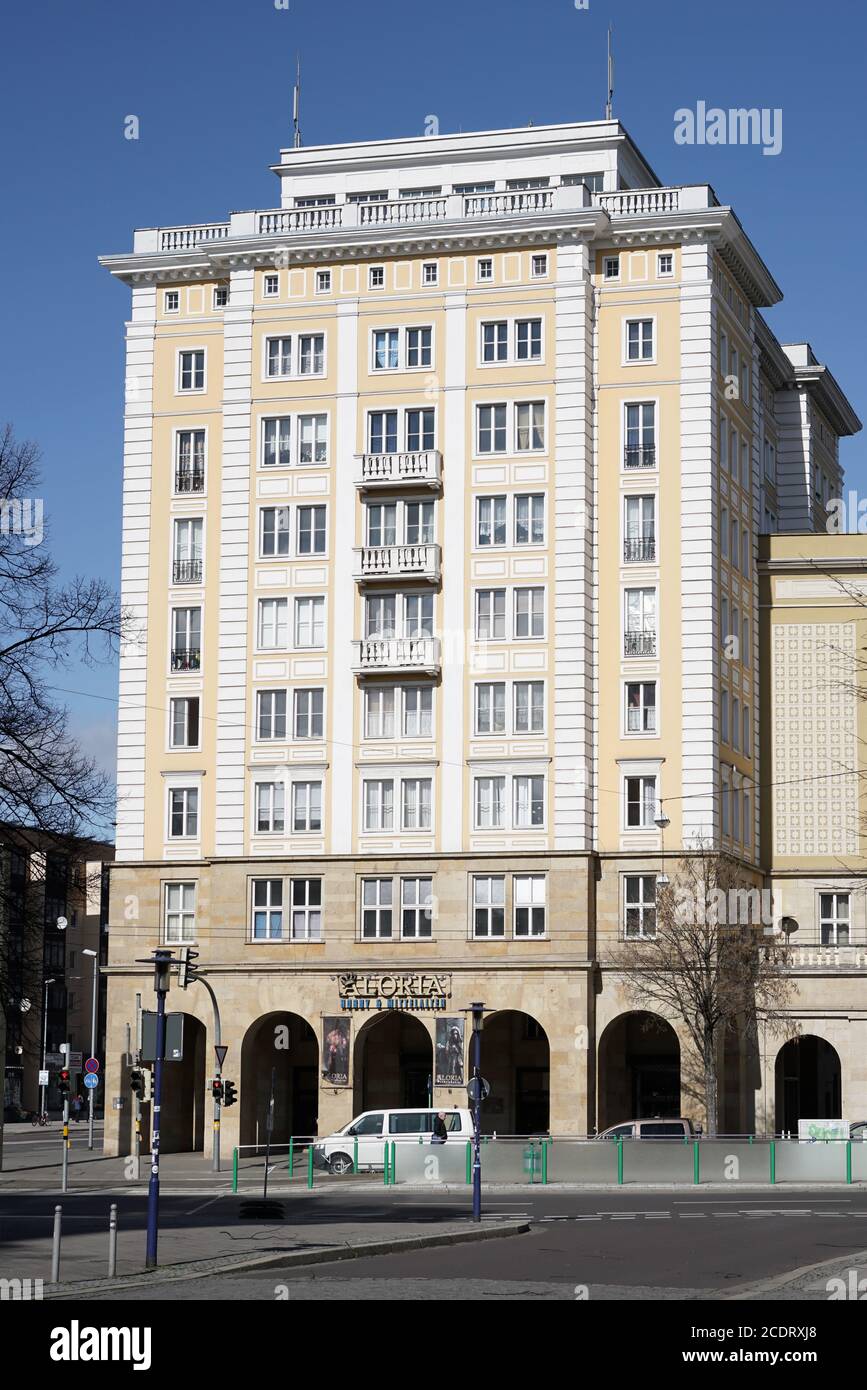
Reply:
x=780, y=1281
x=172, y=1274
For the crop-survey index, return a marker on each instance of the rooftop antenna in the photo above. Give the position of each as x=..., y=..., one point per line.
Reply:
x=296, y=105
x=609, y=109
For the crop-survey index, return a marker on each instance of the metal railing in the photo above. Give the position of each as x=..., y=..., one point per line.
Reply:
x=190, y=480
x=639, y=643
x=639, y=456
x=639, y=548
x=187, y=572
x=186, y=658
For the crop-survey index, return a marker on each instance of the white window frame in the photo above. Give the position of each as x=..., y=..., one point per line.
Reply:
x=271, y=803
x=664, y=274
x=272, y=691
x=186, y=746
x=167, y=309
x=419, y=907
x=613, y=258
x=537, y=885
x=306, y=785
x=378, y=907
x=186, y=790
x=182, y=912
x=489, y=907
x=642, y=707
x=484, y=261
x=640, y=469
x=312, y=647
x=640, y=361
x=269, y=908
x=311, y=691
x=539, y=271
x=643, y=775
x=642, y=907
x=271, y=284
x=180, y=389
x=261, y=603
x=177, y=434
x=376, y=271
x=322, y=282
x=428, y=281
x=307, y=910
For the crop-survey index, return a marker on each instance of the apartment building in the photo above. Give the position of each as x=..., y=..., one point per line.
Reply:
x=443, y=487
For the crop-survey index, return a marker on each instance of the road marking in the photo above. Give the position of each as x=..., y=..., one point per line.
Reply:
x=202, y=1206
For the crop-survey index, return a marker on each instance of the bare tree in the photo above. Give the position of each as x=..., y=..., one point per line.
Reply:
x=709, y=965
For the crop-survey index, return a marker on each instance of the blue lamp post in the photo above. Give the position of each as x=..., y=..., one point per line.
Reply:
x=162, y=963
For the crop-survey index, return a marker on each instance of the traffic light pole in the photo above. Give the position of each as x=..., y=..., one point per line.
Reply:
x=64, y=1177
x=162, y=966
x=218, y=1072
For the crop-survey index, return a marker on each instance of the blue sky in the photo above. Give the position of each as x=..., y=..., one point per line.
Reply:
x=210, y=81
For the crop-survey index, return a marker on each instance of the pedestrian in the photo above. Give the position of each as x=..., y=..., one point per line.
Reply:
x=440, y=1133
x=77, y=1103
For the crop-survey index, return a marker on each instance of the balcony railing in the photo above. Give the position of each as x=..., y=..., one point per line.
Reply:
x=643, y=456
x=187, y=572
x=186, y=658
x=637, y=548
x=182, y=238
x=190, y=480
x=299, y=220
x=639, y=643
x=392, y=655
x=421, y=561
x=422, y=469
x=634, y=202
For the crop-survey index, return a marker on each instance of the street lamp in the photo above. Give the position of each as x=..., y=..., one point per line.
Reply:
x=42, y=1089
x=662, y=822
x=92, y=1092
x=162, y=963
x=478, y=1017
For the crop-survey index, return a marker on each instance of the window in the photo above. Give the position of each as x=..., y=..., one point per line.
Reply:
x=747, y=821
x=272, y=626
x=267, y=909
x=187, y=551
x=724, y=533
x=418, y=523
x=430, y=273
x=380, y=196
x=528, y=340
x=386, y=343
x=312, y=438
x=278, y=356
x=745, y=463
x=736, y=723
x=183, y=813
x=639, y=543
x=415, y=907
x=530, y=426
x=640, y=802
x=735, y=543
x=417, y=711
x=725, y=808
x=419, y=347
x=184, y=723
x=484, y=269
x=724, y=619
x=490, y=521
x=745, y=642
x=611, y=267
x=491, y=429
x=378, y=804
x=275, y=442
x=528, y=802
x=306, y=897
x=380, y=615
x=641, y=707
x=190, y=461
x=418, y=615
x=489, y=802
x=376, y=907
x=309, y=713
x=529, y=707
x=640, y=448
x=834, y=919
x=309, y=622
x=416, y=803
x=323, y=282
x=746, y=555
x=271, y=714
x=530, y=612
x=180, y=913
x=639, y=906
x=221, y=296
x=639, y=340
x=530, y=519
x=376, y=277
x=311, y=530
x=495, y=341
x=186, y=639
x=539, y=266
x=431, y=192
x=420, y=430
x=274, y=532
x=521, y=185
x=746, y=741
x=724, y=716
x=306, y=806
x=192, y=370
x=736, y=813
x=490, y=614
x=529, y=901
x=270, y=808
x=640, y=633
x=311, y=357
x=379, y=712
x=664, y=263
x=491, y=707
x=319, y=200
x=271, y=286
x=723, y=443
x=172, y=301
x=489, y=906
x=382, y=432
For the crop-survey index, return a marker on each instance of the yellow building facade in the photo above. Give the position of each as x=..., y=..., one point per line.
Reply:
x=443, y=488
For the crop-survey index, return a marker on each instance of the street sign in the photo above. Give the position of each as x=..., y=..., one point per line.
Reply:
x=90, y=1081
x=43, y=1078
x=478, y=1088
x=91, y=1065
x=220, y=1053
x=174, y=1037
x=73, y=1061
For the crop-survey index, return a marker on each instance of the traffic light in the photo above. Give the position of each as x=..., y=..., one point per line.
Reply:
x=136, y=1081
x=147, y=1084
x=230, y=1095
x=217, y=1089
x=186, y=966
x=63, y=1083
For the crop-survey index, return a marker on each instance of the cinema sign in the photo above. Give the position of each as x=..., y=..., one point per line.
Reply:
x=416, y=992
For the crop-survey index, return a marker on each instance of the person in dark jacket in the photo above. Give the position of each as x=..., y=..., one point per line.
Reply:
x=440, y=1133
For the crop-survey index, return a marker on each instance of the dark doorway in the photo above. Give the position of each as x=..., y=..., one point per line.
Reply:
x=639, y=1070
x=285, y=1044
x=516, y=1064
x=808, y=1082
x=393, y=1063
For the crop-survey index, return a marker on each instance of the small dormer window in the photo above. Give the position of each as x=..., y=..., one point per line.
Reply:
x=271, y=287
x=376, y=277
x=539, y=265
x=172, y=301
x=323, y=282
x=430, y=273
x=611, y=267
x=221, y=296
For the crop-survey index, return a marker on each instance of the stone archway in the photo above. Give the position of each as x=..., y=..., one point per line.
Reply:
x=393, y=1063
x=808, y=1082
x=639, y=1070
x=183, y=1102
x=516, y=1061
x=285, y=1044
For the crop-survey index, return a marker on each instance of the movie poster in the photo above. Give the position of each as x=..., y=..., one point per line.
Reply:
x=335, y=1050
x=450, y=1052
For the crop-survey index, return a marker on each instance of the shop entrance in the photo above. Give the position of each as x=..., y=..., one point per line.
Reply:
x=516, y=1062
x=393, y=1064
x=286, y=1044
x=808, y=1082
x=639, y=1070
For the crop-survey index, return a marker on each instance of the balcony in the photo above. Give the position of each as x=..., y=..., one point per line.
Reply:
x=190, y=480
x=640, y=457
x=422, y=469
x=639, y=549
x=186, y=658
x=395, y=656
x=639, y=643
x=187, y=572
x=397, y=561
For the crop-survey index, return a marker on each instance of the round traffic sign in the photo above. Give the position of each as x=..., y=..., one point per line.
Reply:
x=90, y=1081
x=91, y=1064
x=478, y=1088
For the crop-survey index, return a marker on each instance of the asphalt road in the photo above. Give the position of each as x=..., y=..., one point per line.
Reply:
x=676, y=1245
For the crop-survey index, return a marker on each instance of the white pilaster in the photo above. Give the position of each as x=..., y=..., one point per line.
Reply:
x=457, y=616
x=343, y=682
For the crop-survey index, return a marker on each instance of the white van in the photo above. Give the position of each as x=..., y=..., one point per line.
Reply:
x=376, y=1127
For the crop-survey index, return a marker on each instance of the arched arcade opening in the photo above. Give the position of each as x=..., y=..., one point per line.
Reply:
x=285, y=1044
x=639, y=1070
x=808, y=1082
x=516, y=1061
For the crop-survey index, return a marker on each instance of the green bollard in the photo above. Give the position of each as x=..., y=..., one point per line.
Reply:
x=545, y=1143
x=620, y=1160
x=469, y=1162
x=849, y=1160
x=695, y=1162
x=291, y=1154
x=392, y=1171
x=385, y=1165
x=309, y=1165
x=234, y=1170
x=773, y=1156
x=355, y=1154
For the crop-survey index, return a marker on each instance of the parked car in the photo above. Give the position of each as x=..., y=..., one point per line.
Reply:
x=652, y=1129
x=336, y=1152
x=858, y=1131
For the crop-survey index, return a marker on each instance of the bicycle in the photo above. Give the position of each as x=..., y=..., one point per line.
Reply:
x=39, y=1119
